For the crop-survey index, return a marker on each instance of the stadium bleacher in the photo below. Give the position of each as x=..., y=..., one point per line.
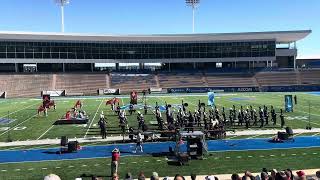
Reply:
x=17, y=85
x=239, y=80
x=81, y=83
x=30, y=85
x=277, y=78
x=128, y=82
x=310, y=77
x=181, y=80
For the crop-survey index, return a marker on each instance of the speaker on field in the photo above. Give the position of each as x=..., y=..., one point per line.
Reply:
x=63, y=141
x=72, y=146
x=283, y=135
x=289, y=131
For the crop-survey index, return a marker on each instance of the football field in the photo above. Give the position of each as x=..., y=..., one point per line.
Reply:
x=20, y=122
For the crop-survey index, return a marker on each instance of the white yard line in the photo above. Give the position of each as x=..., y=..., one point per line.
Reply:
x=45, y=132
x=308, y=121
x=18, y=125
x=122, y=101
x=18, y=110
x=93, y=118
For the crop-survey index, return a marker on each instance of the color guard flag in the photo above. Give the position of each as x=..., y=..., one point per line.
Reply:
x=288, y=103
x=210, y=98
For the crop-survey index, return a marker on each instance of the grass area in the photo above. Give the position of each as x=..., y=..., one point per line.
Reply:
x=29, y=126
x=214, y=163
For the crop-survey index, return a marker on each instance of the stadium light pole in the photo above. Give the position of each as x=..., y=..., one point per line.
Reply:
x=62, y=3
x=193, y=4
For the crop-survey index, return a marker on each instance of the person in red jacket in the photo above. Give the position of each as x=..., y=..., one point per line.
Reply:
x=68, y=114
x=115, y=161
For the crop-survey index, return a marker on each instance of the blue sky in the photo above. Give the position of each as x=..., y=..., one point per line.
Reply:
x=167, y=16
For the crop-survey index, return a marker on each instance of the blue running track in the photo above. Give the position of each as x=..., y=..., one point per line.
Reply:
x=10, y=156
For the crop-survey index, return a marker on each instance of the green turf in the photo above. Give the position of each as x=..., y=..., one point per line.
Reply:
x=40, y=127
x=214, y=163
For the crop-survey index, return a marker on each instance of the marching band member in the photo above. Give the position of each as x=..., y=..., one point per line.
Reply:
x=139, y=142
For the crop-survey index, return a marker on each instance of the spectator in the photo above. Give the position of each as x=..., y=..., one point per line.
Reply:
x=128, y=176
x=179, y=177
x=289, y=174
x=211, y=177
x=96, y=178
x=248, y=175
x=141, y=176
x=273, y=174
x=265, y=170
x=318, y=174
x=264, y=175
x=193, y=176
x=235, y=177
x=115, y=176
x=115, y=161
x=281, y=176
x=154, y=176
x=52, y=177
x=301, y=175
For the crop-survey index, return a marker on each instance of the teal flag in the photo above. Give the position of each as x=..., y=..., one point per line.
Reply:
x=288, y=103
x=210, y=98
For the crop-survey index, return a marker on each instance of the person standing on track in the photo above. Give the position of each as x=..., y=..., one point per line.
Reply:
x=115, y=161
x=145, y=107
x=282, y=118
x=140, y=120
x=102, y=125
x=139, y=142
x=261, y=117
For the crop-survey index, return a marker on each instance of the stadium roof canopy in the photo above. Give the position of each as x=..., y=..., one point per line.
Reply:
x=279, y=36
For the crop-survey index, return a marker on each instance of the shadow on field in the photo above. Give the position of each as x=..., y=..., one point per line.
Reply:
x=57, y=152
x=252, y=127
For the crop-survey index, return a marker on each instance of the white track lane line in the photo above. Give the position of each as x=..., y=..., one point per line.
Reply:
x=93, y=118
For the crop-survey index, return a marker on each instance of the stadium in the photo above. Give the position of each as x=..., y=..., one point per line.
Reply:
x=173, y=106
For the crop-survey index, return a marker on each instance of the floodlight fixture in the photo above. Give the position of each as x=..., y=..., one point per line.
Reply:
x=194, y=4
x=62, y=3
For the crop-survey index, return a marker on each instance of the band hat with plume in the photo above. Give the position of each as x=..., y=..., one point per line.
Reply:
x=115, y=150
